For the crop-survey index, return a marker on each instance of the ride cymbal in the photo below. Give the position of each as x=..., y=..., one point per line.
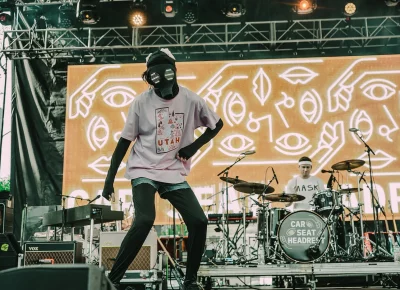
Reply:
x=253, y=188
x=348, y=164
x=232, y=180
x=284, y=197
x=349, y=190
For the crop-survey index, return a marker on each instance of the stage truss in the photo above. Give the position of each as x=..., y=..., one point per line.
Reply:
x=377, y=270
x=26, y=41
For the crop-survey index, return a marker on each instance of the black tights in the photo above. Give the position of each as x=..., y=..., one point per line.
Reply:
x=193, y=215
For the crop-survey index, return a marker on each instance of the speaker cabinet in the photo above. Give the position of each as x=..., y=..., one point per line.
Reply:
x=110, y=243
x=52, y=253
x=9, y=250
x=60, y=277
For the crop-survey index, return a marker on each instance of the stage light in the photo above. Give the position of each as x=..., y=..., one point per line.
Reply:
x=233, y=9
x=138, y=16
x=391, y=3
x=169, y=8
x=190, y=11
x=86, y=11
x=350, y=8
x=5, y=19
x=305, y=6
x=66, y=16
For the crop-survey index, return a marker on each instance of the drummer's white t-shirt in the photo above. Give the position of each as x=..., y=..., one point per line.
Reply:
x=306, y=187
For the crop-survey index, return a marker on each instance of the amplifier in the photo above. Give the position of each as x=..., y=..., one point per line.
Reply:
x=110, y=243
x=52, y=253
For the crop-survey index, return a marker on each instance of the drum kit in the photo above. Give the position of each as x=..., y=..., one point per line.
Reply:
x=305, y=236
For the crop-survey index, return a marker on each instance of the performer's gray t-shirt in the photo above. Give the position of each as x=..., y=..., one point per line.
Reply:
x=306, y=187
x=160, y=128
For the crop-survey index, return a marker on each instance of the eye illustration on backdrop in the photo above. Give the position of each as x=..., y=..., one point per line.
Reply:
x=378, y=89
x=97, y=133
x=234, y=108
x=311, y=106
x=118, y=96
x=236, y=144
x=293, y=144
x=361, y=119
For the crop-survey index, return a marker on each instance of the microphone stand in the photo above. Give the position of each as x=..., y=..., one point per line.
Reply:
x=225, y=172
x=375, y=202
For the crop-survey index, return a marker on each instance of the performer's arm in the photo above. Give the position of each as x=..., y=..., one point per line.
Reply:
x=188, y=151
x=118, y=155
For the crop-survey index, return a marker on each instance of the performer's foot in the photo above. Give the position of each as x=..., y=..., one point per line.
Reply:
x=192, y=285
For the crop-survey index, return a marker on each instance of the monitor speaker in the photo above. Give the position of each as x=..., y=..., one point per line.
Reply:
x=60, y=277
x=9, y=250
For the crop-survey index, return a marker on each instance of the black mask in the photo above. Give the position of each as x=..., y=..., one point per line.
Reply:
x=163, y=78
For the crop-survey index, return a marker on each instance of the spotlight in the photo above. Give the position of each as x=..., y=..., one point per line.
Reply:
x=66, y=16
x=305, y=6
x=391, y=3
x=190, y=11
x=138, y=16
x=233, y=9
x=169, y=8
x=5, y=19
x=86, y=11
x=350, y=9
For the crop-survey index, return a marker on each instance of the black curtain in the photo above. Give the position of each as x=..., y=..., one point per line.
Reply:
x=38, y=122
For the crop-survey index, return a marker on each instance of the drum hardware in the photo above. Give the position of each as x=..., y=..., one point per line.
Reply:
x=378, y=250
x=254, y=188
x=225, y=211
x=231, y=180
x=348, y=164
x=284, y=197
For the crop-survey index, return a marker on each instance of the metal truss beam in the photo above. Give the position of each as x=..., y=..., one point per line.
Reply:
x=27, y=41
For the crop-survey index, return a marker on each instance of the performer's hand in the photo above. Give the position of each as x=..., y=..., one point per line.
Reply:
x=108, y=190
x=186, y=152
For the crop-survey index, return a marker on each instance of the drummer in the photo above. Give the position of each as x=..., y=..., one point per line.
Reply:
x=305, y=185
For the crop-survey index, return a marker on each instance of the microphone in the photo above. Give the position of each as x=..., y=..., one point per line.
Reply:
x=250, y=152
x=97, y=197
x=327, y=171
x=354, y=130
x=276, y=178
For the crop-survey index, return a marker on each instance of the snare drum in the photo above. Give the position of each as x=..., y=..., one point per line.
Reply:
x=299, y=233
x=325, y=200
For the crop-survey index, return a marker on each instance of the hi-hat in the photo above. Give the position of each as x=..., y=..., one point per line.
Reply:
x=232, y=180
x=284, y=197
x=253, y=188
x=348, y=164
x=349, y=190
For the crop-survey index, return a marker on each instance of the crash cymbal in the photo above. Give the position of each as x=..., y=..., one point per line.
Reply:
x=232, y=180
x=284, y=197
x=253, y=188
x=349, y=190
x=348, y=164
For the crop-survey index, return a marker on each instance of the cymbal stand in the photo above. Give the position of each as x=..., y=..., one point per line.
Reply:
x=375, y=202
x=225, y=217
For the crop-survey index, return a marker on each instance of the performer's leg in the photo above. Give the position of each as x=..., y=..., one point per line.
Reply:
x=196, y=221
x=145, y=213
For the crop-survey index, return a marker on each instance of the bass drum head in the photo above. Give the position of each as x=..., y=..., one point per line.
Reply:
x=298, y=236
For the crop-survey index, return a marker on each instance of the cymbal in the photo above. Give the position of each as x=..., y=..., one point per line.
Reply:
x=284, y=197
x=232, y=180
x=348, y=190
x=348, y=164
x=253, y=188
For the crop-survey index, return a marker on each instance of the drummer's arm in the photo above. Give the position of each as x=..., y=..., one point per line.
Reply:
x=289, y=189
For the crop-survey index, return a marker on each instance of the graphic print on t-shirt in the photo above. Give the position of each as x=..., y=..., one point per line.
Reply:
x=169, y=130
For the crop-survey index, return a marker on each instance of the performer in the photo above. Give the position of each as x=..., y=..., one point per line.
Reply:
x=162, y=122
x=304, y=184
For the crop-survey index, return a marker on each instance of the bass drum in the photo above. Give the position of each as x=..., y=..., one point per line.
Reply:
x=298, y=236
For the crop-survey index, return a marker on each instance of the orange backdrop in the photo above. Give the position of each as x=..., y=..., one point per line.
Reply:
x=283, y=109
